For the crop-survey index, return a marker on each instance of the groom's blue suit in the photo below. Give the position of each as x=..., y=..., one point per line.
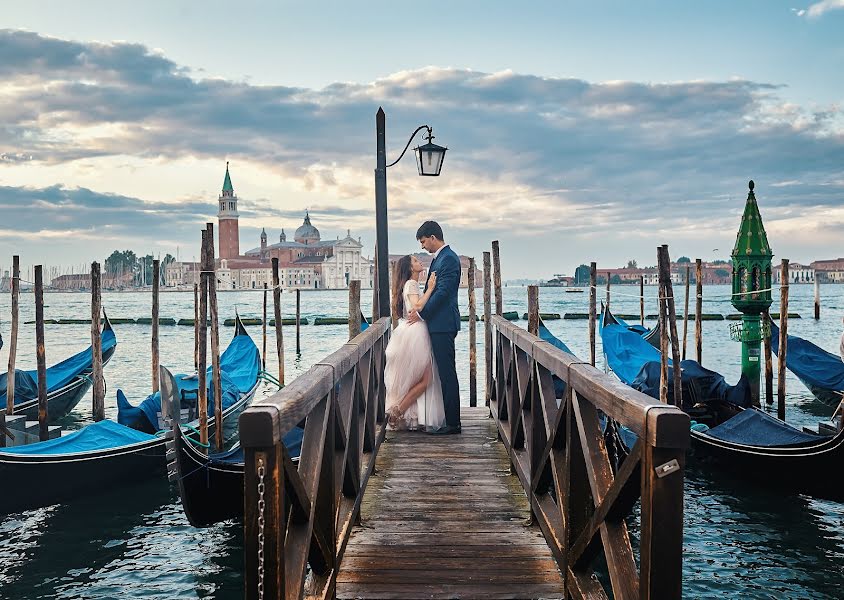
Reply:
x=443, y=320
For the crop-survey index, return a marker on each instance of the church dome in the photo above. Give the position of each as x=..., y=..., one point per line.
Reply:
x=307, y=233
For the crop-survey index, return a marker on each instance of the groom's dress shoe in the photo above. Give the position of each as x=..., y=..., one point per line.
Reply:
x=445, y=430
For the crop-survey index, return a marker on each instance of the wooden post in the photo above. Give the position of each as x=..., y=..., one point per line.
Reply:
x=354, y=308
x=264, y=333
x=216, y=375
x=593, y=302
x=533, y=309
x=473, y=351
x=783, y=339
x=769, y=366
x=672, y=324
x=279, y=336
x=376, y=312
x=698, y=311
x=196, y=319
x=203, y=341
x=496, y=281
x=156, y=270
x=40, y=354
x=97, y=387
x=299, y=320
x=13, y=341
x=488, y=325
x=817, y=298
x=642, y=298
x=607, y=304
x=663, y=333
x=686, y=311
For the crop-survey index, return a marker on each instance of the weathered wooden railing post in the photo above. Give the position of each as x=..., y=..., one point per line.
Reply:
x=97, y=387
x=496, y=263
x=593, y=307
x=279, y=335
x=698, y=311
x=13, y=338
x=297, y=519
x=783, y=343
x=156, y=273
x=354, y=308
x=40, y=355
x=488, y=325
x=576, y=492
x=473, y=350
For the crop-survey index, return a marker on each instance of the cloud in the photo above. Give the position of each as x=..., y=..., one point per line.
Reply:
x=527, y=153
x=818, y=9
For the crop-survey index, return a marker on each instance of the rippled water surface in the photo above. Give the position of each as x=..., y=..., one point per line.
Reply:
x=740, y=541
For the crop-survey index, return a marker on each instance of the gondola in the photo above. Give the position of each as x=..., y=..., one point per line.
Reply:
x=106, y=454
x=210, y=485
x=740, y=438
x=67, y=381
x=820, y=371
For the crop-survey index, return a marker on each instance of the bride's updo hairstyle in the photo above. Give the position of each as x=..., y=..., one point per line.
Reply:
x=402, y=272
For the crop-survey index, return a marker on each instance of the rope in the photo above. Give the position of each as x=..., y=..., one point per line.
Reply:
x=709, y=297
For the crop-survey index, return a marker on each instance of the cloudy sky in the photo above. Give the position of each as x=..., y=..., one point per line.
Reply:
x=577, y=131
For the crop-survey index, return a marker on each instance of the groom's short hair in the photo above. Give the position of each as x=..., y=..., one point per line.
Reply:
x=430, y=228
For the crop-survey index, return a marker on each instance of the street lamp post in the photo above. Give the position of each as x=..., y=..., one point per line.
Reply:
x=429, y=161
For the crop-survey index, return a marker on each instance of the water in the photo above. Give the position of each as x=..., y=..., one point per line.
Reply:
x=740, y=541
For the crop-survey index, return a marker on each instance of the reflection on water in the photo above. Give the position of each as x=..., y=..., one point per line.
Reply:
x=740, y=541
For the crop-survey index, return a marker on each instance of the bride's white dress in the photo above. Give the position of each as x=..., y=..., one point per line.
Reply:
x=408, y=355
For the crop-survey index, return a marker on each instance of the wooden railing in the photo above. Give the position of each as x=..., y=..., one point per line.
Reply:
x=580, y=491
x=298, y=518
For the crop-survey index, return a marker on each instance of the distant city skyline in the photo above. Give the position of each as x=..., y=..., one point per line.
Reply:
x=577, y=131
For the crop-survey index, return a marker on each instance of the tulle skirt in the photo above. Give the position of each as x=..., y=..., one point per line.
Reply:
x=408, y=355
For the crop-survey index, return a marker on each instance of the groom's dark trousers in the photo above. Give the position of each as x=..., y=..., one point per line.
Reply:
x=443, y=320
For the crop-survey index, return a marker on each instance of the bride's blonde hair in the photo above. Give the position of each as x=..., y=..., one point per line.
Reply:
x=402, y=273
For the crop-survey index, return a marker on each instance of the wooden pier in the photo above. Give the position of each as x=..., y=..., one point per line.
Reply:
x=444, y=518
x=528, y=502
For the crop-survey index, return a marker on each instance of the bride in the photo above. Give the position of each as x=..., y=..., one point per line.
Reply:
x=414, y=395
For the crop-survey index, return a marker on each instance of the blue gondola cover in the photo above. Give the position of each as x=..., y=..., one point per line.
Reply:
x=755, y=428
x=813, y=365
x=101, y=435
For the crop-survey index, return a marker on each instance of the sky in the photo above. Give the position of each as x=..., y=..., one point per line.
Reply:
x=577, y=131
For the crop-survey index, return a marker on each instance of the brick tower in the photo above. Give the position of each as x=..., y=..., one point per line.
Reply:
x=227, y=217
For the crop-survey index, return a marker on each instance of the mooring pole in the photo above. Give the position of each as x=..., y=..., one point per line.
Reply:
x=216, y=375
x=698, y=311
x=593, y=302
x=40, y=355
x=473, y=350
x=607, y=304
x=817, y=298
x=488, y=325
x=156, y=273
x=299, y=320
x=202, y=337
x=783, y=339
x=264, y=332
x=686, y=311
x=97, y=387
x=279, y=336
x=496, y=263
x=769, y=366
x=642, y=298
x=533, y=310
x=13, y=341
x=354, y=308
x=672, y=326
x=196, y=319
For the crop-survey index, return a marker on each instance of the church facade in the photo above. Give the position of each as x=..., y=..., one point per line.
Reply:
x=306, y=262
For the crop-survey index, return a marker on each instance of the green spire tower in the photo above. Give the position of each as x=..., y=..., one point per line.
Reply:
x=751, y=288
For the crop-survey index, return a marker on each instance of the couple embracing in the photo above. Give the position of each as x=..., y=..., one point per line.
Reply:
x=420, y=375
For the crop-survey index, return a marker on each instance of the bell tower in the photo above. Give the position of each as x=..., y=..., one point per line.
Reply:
x=228, y=220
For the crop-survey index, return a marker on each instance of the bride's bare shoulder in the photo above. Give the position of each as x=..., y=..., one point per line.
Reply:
x=411, y=286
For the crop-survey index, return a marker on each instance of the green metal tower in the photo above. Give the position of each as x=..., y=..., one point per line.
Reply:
x=751, y=289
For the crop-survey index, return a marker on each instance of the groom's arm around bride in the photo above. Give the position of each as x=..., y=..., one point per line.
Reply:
x=443, y=317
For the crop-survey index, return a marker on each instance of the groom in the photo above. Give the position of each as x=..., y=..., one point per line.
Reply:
x=443, y=319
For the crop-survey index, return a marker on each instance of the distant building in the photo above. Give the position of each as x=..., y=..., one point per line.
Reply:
x=307, y=262
x=829, y=271
x=797, y=273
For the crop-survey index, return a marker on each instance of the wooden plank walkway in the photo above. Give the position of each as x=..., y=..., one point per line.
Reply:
x=443, y=518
